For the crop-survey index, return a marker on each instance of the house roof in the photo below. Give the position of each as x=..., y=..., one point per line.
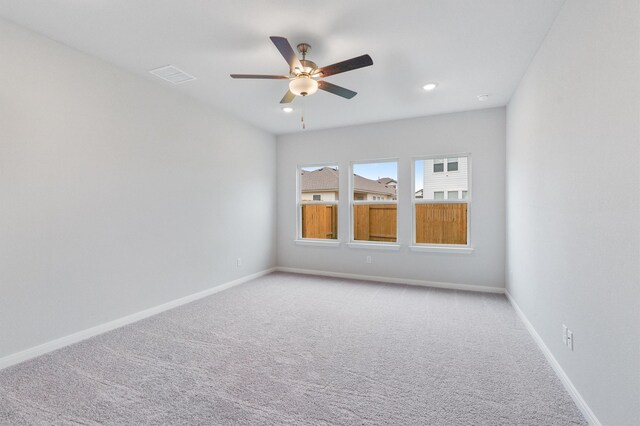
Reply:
x=326, y=179
x=386, y=180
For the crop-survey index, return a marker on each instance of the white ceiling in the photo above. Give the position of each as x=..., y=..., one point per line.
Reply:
x=469, y=47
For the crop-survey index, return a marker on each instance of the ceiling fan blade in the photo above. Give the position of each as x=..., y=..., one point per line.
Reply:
x=288, y=97
x=348, y=65
x=287, y=52
x=274, y=77
x=336, y=90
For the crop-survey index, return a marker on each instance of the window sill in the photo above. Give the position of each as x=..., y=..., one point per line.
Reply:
x=318, y=243
x=375, y=246
x=442, y=249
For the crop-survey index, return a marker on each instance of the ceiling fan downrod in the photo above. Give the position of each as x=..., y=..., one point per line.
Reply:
x=304, y=48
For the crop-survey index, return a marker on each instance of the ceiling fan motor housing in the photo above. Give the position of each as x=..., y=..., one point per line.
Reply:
x=307, y=67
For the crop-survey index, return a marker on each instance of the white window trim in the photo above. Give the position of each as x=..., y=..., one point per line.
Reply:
x=353, y=243
x=317, y=242
x=299, y=203
x=375, y=245
x=440, y=248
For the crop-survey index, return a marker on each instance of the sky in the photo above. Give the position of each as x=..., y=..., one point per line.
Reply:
x=376, y=171
x=419, y=174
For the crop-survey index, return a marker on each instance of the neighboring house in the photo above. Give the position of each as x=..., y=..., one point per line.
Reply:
x=322, y=185
x=319, y=185
x=388, y=181
x=445, y=179
x=419, y=193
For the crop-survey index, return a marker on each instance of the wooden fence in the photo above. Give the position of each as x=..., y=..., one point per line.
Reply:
x=441, y=223
x=435, y=223
x=320, y=221
x=375, y=222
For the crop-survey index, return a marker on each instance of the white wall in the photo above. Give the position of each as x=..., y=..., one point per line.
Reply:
x=482, y=133
x=117, y=194
x=573, y=200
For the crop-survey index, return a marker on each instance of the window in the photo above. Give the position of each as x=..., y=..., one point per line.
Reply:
x=318, y=202
x=438, y=219
x=374, y=202
x=439, y=165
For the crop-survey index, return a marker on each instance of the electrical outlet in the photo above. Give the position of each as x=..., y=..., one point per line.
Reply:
x=564, y=334
x=239, y=262
x=570, y=339
x=369, y=259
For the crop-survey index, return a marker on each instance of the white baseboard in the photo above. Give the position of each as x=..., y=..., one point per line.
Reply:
x=421, y=283
x=53, y=345
x=573, y=392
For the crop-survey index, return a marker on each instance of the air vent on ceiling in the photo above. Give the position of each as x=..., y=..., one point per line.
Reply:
x=172, y=74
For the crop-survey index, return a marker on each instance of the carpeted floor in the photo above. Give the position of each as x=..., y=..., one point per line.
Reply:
x=292, y=349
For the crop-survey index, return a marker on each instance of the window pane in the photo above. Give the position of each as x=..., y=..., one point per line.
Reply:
x=375, y=222
x=452, y=195
x=464, y=195
x=433, y=183
x=320, y=221
x=438, y=195
x=319, y=181
x=375, y=181
x=441, y=223
x=438, y=167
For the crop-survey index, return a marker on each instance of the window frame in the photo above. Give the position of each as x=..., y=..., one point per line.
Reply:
x=299, y=203
x=444, y=165
x=353, y=243
x=442, y=248
x=447, y=162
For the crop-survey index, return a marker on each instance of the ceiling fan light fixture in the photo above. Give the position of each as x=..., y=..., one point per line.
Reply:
x=303, y=86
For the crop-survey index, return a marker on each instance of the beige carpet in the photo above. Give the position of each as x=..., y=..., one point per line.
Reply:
x=292, y=349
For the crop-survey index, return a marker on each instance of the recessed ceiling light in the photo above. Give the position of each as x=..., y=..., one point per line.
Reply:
x=430, y=86
x=287, y=109
x=483, y=98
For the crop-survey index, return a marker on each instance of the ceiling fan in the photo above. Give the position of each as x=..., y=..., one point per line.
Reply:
x=304, y=75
